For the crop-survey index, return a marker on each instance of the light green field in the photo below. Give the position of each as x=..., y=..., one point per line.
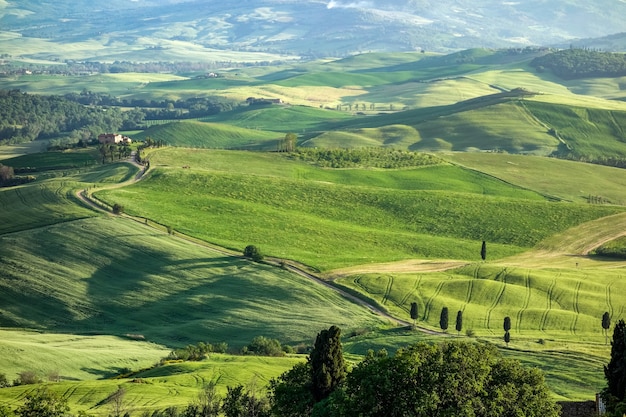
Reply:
x=550, y=176
x=209, y=135
x=307, y=214
x=174, y=385
x=72, y=356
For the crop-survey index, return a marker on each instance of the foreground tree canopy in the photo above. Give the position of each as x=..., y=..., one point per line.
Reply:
x=615, y=373
x=448, y=379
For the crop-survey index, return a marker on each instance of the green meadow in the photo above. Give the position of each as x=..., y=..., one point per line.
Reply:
x=90, y=296
x=331, y=219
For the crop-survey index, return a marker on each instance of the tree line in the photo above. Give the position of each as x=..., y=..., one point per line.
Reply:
x=582, y=63
x=83, y=116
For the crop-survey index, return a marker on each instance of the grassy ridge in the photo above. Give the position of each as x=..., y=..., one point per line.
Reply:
x=208, y=135
x=550, y=176
x=115, y=276
x=316, y=223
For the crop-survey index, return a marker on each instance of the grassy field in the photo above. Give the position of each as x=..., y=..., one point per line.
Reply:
x=115, y=276
x=296, y=211
x=173, y=385
x=209, y=135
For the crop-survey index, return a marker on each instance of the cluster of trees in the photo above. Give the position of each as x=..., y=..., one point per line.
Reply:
x=82, y=117
x=196, y=352
x=364, y=157
x=26, y=117
x=581, y=63
x=146, y=109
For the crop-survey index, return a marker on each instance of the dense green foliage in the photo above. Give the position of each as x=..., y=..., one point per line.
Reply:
x=328, y=369
x=26, y=117
x=444, y=379
x=582, y=63
x=364, y=158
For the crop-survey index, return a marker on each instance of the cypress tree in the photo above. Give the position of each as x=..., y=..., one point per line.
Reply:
x=459, y=321
x=328, y=369
x=443, y=319
x=483, y=251
x=507, y=324
x=507, y=338
x=414, y=312
x=606, y=325
x=615, y=373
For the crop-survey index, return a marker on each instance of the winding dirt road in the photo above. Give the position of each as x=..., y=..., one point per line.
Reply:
x=85, y=197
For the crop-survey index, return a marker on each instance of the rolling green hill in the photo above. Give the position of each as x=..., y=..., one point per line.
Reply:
x=296, y=211
x=208, y=135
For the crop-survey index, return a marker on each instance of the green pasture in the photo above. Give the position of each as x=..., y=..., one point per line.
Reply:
x=108, y=275
x=172, y=385
x=74, y=356
x=561, y=304
x=329, y=223
x=568, y=180
x=51, y=199
x=44, y=161
x=297, y=119
x=209, y=135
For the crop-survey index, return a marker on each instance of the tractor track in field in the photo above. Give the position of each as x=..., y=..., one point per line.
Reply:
x=387, y=290
x=575, y=306
x=497, y=300
x=544, y=315
x=429, y=304
x=520, y=313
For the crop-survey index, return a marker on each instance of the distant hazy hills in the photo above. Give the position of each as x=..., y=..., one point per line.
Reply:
x=116, y=29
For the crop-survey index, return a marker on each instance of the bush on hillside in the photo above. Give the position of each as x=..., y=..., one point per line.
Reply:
x=364, y=157
x=263, y=346
x=253, y=253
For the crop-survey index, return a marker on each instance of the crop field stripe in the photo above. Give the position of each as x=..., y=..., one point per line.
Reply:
x=470, y=288
x=497, y=299
x=405, y=299
x=609, y=304
x=429, y=304
x=388, y=289
x=576, y=307
x=520, y=313
x=549, y=294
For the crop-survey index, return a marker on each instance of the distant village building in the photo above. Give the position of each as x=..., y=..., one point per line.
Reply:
x=114, y=138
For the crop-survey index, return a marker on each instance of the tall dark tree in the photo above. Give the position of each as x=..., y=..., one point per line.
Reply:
x=615, y=373
x=328, y=368
x=507, y=338
x=414, y=312
x=459, y=321
x=443, y=319
x=507, y=324
x=483, y=251
x=606, y=325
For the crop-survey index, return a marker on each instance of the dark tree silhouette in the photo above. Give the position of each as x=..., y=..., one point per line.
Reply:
x=606, y=325
x=459, y=321
x=443, y=319
x=507, y=324
x=615, y=373
x=507, y=338
x=328, y=369
x=483, y=251
x=253, y=253
x=414, y=312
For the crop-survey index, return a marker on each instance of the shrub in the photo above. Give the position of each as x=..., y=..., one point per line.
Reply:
x=261, y=345
x=253, y=253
